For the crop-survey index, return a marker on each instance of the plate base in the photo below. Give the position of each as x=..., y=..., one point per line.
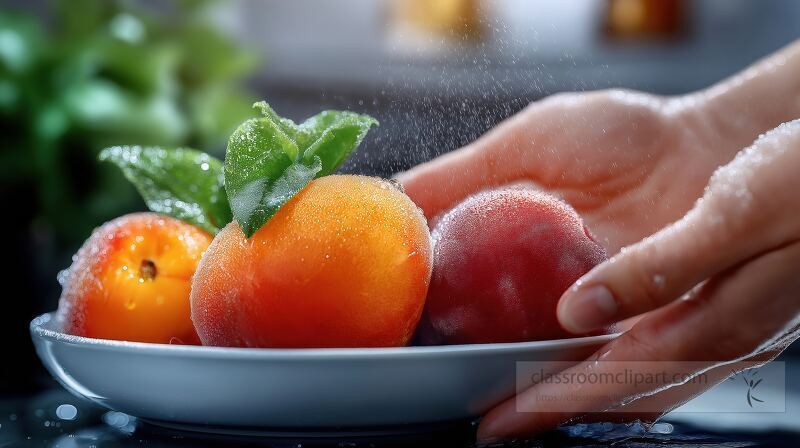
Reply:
x=457, y=426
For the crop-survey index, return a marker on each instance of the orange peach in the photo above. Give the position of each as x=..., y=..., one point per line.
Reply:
x=131, y=280
x=345, y=263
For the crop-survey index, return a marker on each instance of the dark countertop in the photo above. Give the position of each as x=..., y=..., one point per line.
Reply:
x=33, y=422
x=54, y=418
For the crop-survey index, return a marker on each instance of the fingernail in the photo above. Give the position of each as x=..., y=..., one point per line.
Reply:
x=587, y=309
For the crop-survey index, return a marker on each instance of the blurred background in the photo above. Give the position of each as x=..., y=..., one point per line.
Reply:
x=80, y=75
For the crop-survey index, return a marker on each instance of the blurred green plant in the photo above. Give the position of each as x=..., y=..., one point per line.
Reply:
x=105, y=73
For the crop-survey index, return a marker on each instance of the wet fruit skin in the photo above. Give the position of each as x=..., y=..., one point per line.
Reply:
x=131, y=279
x=502, y=259
x=345, y=263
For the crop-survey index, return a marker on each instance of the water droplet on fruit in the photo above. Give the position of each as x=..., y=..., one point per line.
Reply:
x=204, y=166
x=130, y=304
x=62, y=276
x=659, y=280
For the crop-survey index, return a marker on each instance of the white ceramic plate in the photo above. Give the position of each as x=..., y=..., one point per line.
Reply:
x=240, y=389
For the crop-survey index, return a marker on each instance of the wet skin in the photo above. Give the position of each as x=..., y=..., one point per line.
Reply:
x=635, y=165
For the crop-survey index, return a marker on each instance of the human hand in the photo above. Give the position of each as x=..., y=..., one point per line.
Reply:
x=630, y=164
x=733, y=261
x=613, y=155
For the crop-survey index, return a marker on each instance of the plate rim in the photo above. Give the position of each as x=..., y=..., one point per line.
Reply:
x=38, y=330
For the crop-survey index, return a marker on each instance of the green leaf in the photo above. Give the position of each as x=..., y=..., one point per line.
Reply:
x=182, y=183
x=259, y=200
x=332, y=136
x=270, y=159
x=21, y=42
x=286, y=125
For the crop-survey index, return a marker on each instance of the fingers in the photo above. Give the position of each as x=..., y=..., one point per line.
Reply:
x=743, y=312
x=650, y=408
x=652, y=273
x=743, y=213
x=540, y=144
